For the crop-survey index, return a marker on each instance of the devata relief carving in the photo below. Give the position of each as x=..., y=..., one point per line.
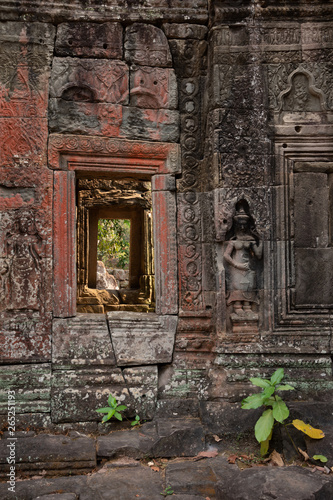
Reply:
x=24, y=250
x=243, y=250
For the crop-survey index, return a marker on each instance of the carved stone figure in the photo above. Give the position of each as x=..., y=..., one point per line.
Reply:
x=242, y=251
x=24, y=248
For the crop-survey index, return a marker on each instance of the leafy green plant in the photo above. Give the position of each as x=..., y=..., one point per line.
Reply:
x=167, y=491
x=277, y=411
x=136, y=421
x=114, y=410
x=114, y=241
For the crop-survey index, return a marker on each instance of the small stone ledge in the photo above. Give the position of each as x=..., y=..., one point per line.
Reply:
x=162, y=438
x=54, y=454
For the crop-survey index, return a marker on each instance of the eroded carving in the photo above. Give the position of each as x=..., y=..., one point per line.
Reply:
x=242, y=250
x=24, y=253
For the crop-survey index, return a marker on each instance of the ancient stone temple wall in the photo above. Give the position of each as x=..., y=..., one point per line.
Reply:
x=225, y=109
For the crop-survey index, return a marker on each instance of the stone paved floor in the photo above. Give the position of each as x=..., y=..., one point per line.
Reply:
x=201, y=480
x=120, y=466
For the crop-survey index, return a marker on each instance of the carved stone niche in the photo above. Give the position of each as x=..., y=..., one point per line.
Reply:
x=115, y=198
x=85, y=164
x=301, y=101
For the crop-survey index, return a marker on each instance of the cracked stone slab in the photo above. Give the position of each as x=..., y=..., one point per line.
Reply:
x=192, y=478
x=279, y=483
x=32, y=392
x=58, y=496
x=82, y=341
x=163, y=438
x=57, y=454
x=142, y=339
x=142, y=383
x=77, y=394
x=126, y=484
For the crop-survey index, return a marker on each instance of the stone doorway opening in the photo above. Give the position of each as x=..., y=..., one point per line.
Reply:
x=100, y=201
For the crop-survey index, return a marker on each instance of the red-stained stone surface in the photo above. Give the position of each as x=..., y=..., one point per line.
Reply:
x=153, y=88
x=88, y=80
x=64, y=288
x=25, y=193
x=164, y=207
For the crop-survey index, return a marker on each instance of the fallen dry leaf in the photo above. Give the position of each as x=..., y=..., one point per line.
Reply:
x=208, y=454
x=276, y=459
x=155, y=469
x=217, y=439
x=232, y=459
x=304, y=454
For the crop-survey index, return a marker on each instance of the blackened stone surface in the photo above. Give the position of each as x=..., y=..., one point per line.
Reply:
x=322, y=446
x=147, y=45
x=227, y=419
x=58, y=496
x=90, y=40
x=278, y=483
x=178, y=437
x=196, y=478
x=51, y=453
x=163, y=438
x=134, y=443
x=184, y=30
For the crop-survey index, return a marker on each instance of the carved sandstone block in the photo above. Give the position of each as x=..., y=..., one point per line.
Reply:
x=25, y=54
x=173, y=30
x=147, y=45
x=90, y=40
x=85, y=117
x=82, y=341
x=156, y=125
x=142, y=383
x=32, y=391
x=76, y=394
x=153, y=88
x=89, y=80
x=23, y=139
x=142, y=339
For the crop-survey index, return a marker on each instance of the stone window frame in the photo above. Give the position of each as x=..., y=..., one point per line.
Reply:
x=68, y=154
x=288, y=317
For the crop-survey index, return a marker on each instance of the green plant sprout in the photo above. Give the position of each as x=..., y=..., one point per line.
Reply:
x=277, y=413
x=167, y=491
x=136, y=421
x=114, y=410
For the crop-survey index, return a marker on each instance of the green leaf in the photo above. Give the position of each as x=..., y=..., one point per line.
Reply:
x=277, y=376
x=105, y=418
x=322, y=458
x=264, y=426
x=280, y=410
x=264, y=445
x=112, y=401
x=268, y=392
x=121, y=408
x=254, y=401
x=103, y=410
x=260, y=382
x=285, y=387
x=118, y=416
